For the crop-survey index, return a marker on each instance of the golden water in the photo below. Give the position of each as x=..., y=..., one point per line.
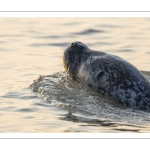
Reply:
x=30, y=47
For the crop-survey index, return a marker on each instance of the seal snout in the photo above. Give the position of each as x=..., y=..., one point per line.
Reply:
x=75, y=44
x=78, y=46
x=73, y=56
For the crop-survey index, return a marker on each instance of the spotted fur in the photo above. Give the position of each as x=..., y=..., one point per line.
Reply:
x=109, y=75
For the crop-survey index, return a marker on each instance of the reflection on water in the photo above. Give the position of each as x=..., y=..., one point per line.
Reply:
x=30, y=47
x=108, y=125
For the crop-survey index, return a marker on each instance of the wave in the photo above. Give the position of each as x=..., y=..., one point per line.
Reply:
x=60, y=91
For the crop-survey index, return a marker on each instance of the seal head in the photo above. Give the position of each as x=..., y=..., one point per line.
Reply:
x=73, y=56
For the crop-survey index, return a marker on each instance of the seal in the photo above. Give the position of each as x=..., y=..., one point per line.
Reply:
x=108, y=74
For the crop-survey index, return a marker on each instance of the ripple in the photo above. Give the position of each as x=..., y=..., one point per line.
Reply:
x=102, y=123
x=136, y=37
x=32, y=31
x=40, y=104
x=22, y=95
x=129, y=130
x=11, y=35
x=89, y=31
x=59, y=91
x=25, y=110
x=147, y=53
x=2, y=42
x=2, y=49
x=146, y=73
x=29, y=117
x=111, y=26
x=100, y=43
x=49, y=37
x=72, y=23
x=124, y=50
x=9, y=108
x=48, y=44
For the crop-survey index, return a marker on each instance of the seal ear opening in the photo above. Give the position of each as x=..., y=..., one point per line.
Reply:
x=100, y=74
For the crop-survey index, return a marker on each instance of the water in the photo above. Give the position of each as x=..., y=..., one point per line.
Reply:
x=35, y=93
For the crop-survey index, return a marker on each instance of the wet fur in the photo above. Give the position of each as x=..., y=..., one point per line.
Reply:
x=109, y=75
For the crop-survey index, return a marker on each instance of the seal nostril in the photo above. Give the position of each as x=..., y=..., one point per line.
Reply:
x=72, y=44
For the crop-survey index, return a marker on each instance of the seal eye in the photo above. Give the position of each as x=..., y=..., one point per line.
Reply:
x=100, y=74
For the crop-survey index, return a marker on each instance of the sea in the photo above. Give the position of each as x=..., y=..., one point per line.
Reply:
x=36, y=94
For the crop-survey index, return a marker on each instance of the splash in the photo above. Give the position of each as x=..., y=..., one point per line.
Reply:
x=60, y=91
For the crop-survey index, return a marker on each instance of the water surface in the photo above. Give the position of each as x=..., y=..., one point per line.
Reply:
x=35, y=93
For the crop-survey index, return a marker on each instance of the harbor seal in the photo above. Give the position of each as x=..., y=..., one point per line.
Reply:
x=108, y=74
